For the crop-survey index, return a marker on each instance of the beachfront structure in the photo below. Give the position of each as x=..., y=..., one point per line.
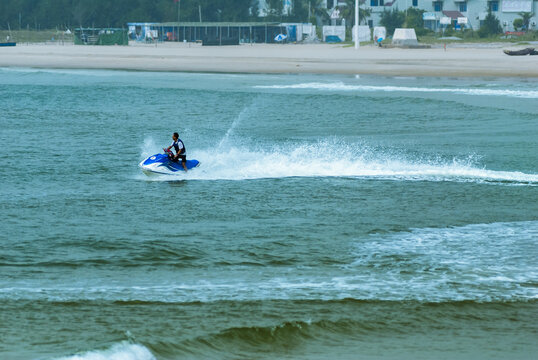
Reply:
x=214, y=33
x=219, y=33
x=100, y=36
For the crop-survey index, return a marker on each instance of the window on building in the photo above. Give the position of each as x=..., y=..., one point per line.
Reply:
x=374, y=2
x=415, y=2
x=381, y=2
x=371, y=23
x=438, y=6
x=493, y=6
x=463, y=6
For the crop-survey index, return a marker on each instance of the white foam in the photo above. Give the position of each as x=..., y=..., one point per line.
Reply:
x=333, y=159
x=458, y=262
x=148, y=148
x=121, y=351
x=340, y=86
x=478, y=261
x=244, y=114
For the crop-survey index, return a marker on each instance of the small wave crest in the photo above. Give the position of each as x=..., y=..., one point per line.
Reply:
x=286, y=334
x=344, y=322
x=269, y=339
x=334, y=159
x=340, y=86
x=121, y=351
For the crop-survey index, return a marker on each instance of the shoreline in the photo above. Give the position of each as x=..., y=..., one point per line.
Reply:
x=276, y=59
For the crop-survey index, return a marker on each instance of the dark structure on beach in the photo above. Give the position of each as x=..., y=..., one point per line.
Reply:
x=209, y=33
x=101, y=36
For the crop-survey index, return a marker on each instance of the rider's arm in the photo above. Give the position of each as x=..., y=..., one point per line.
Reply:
x=168, y=148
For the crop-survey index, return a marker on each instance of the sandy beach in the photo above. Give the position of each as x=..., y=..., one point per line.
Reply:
x=270, y=58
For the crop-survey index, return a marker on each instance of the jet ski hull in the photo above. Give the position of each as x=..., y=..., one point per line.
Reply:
x=160, y=164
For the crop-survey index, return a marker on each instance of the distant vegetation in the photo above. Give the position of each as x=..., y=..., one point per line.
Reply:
x=491, y=26
x=392, y=20
x=62, y=14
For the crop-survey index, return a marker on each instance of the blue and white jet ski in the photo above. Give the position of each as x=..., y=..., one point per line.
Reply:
x=160, y=164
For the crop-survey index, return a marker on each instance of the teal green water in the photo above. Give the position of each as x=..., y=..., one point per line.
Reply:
x=331, y=217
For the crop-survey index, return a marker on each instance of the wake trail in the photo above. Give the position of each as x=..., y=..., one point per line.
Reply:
x=333, y=159
x=340, y=86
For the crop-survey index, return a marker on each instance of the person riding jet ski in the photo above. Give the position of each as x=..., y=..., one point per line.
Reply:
x=181, y=152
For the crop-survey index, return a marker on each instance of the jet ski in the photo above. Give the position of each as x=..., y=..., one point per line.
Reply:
x=160, y=164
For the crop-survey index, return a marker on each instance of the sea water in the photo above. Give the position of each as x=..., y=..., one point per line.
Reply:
x=343, y=217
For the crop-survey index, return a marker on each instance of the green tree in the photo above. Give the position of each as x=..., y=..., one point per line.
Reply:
x=254, y=11
x=215, y=10
x=274, y=8
x=299, y=11
x=116, y=13
x=318, y=13
x=392, y=20
x=414, y=18
x=526, y=18
x=84, y=13
x=490, y=26
x=348, y=13
x=518, y=23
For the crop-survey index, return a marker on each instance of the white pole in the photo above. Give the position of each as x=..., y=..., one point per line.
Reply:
x=357, y=43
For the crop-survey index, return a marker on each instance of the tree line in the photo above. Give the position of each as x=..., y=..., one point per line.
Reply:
x=50, y=14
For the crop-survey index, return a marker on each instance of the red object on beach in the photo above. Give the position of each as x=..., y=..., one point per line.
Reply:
x=517, y=33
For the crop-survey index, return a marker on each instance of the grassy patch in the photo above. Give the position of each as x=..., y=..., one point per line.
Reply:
x=469, y=36
x=31, y=36
x=347, y=44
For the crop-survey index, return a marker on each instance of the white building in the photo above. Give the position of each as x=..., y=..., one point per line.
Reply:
x=474, y=11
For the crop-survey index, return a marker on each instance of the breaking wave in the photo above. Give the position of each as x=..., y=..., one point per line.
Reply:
x=340, y=86
x=121, y=351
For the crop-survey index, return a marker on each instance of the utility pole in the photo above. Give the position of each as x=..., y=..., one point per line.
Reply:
x=178, y=8
x=357, y=42
x=10, y=37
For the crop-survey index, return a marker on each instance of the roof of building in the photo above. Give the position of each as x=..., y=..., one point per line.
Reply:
x=98, y=29
x=454, y=15
x=209, y=24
